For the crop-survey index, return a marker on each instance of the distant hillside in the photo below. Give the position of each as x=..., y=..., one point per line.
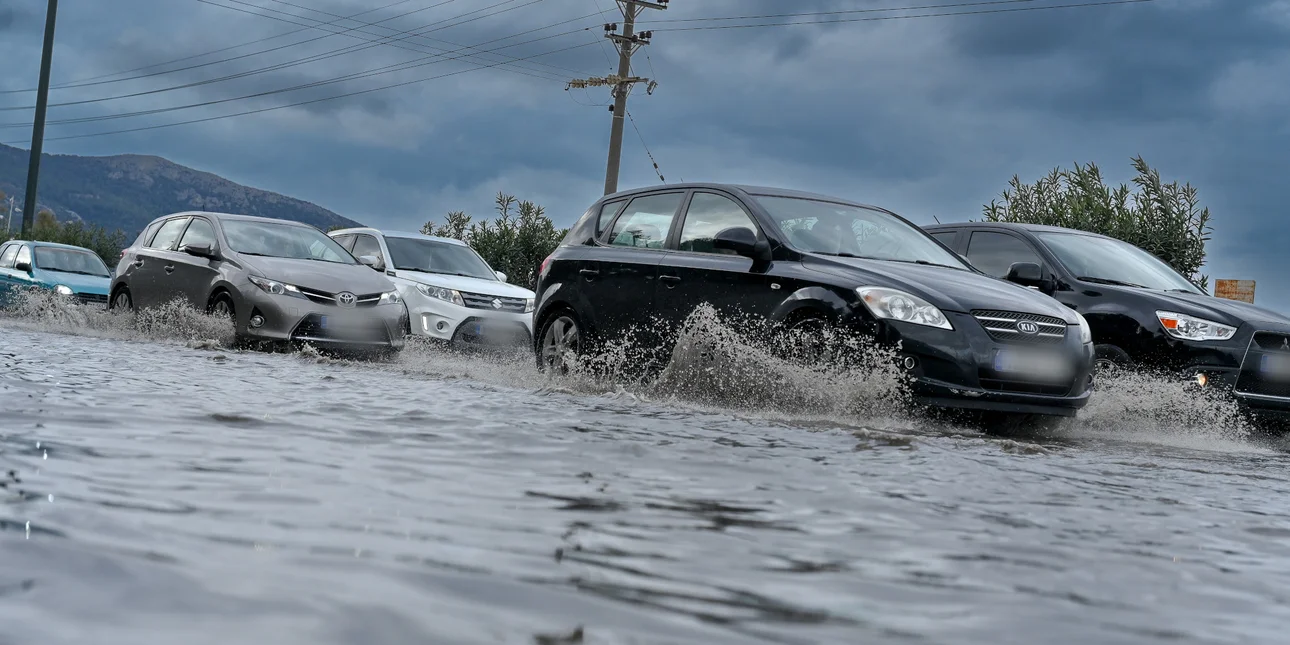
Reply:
x=128, y=191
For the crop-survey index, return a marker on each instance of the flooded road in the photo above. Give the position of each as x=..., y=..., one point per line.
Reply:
x=160, y=489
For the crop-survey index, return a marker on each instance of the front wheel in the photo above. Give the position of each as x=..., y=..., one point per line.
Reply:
x=561, y=340
x=1109, y=360
x=121, y=300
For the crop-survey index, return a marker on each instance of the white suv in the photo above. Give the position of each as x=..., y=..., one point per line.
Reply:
x=451, y=293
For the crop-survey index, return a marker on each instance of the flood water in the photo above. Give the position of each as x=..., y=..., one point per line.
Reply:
x=158, y=488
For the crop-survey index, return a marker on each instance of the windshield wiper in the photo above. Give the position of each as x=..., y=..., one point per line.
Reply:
x=842, y=254
x=1120, y=283
x=97, y=275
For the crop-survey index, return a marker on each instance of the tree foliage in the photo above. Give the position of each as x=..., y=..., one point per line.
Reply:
x=107, y=244
x=515, y=243
x=1164, y=219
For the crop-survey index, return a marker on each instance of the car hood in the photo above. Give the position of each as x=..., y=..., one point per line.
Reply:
x=470, y=285
x=329, y=277
x=1231, y=312
x=75, y=281
x=947, y=289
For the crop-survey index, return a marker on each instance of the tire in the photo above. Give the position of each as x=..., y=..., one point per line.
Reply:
x=1110, y=359
x=800, y=339
x=222, y=306
x=560, y=334
x=121, y=300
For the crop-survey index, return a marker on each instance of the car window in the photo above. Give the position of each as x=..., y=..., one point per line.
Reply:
x=146, y=236
x=199, y=232
x=945, y=237
x=993, y=253
x=7, y=257
x=708, y=215
x=607, y=212
x=646, y=221
x=346, y=241
x=367, y=245
x=24, y=255
x=168, y=234
x=52, y=258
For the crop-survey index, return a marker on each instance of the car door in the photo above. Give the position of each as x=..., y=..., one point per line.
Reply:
x=993, y=252
x=8, y=253
x=194, y=274
x=694, y=273
x=151, y=284
x=617, y=276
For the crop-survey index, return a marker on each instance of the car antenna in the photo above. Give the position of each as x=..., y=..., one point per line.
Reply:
x=938, y=220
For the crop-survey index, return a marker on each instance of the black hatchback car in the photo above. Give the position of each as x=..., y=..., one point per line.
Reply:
x=789, y=258
x=1143, y=313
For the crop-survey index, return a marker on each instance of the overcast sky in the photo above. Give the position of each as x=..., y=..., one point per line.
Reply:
x=928, y=116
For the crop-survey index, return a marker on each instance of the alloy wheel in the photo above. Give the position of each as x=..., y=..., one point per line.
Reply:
x=559, y=340
x=122, y=300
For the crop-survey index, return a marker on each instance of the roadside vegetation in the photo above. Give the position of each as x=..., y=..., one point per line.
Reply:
x=106, y=243
x=514, y=243
x=1164, y=219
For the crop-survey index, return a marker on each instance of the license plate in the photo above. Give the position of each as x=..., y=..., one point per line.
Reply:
x=1032, y=364
x=1276, y=365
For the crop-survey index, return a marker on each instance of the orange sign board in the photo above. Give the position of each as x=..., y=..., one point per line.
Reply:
x=1242, y=290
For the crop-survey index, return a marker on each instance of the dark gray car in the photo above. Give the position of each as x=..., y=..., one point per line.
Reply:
x=279, y=280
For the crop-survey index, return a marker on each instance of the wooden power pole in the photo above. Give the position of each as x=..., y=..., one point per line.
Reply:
x=38, y=131
x=628, y=42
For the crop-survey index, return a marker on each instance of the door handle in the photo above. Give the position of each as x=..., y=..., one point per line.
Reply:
x=589, y=272
x=671, y=280
x=138, y=263
x=170, y=268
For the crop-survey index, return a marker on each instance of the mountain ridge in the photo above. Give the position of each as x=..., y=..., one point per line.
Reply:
x=127, y=191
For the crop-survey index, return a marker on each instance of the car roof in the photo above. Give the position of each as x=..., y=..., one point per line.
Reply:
x=1016, y=226
x=233, y=216
x=749, y=189
x=403, y=234
x=53, y=245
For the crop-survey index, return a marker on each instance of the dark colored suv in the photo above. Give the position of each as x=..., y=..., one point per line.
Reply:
x=651, y=256
x=1142, y=311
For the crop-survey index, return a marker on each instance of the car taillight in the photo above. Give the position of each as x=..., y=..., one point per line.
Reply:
x=545, y=263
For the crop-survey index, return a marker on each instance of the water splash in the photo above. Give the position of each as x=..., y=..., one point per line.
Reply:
x=174, y=321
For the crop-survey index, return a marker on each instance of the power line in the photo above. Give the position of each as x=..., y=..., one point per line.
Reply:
x=280, y=66
x=802, y=14
x=396, y=67
x=95, y=80
x=1104, y=3
x=348, y=32
x=647, y=152
x=299, y=103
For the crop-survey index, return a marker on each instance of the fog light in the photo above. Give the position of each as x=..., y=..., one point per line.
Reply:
x=257, y=320
x=1202, y=380
x=910, y=362
x=442, y=326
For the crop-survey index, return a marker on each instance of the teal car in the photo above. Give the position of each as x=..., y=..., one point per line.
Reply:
x=71, y=271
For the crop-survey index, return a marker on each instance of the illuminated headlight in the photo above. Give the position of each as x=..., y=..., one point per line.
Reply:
x=442, y=293
x=63, y=290
x=274, y=287
x=1193, y=328
x=529, y=305
x=898, y=305
x=1085, y=332
x=390, y=298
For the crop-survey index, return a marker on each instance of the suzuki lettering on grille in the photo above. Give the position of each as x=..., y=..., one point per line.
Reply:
x=497, y=304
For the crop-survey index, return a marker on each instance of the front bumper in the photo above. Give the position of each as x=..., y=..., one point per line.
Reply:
x=1237, y=366
x=445, y=321
x=956, y=369
x=296, y=319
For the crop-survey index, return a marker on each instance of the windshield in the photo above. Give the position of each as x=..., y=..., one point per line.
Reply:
x=283, y=241
x=837, y=229
x=1109, y=260
x=70, y=261
x=412, y=254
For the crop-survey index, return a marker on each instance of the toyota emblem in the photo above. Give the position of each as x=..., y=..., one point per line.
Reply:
x=346, y=299
x=1027, y=327
x=497, y=304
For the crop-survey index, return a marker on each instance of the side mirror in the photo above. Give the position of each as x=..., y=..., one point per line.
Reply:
x=372, y=261
x=200, y=250
x=25, y=267
x=1029, y=274
x=500, y=276
x=743, y=242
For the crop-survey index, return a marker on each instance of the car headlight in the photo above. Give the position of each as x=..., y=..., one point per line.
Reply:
x=1085, y=332
x=893, y=304
x=442, y=293
x=274, y=287
x=1193, y=328
x=529, y=304
x=390, y=298
x=63, y=290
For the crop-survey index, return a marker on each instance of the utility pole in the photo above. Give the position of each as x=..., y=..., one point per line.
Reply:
x=8, y=222
x=628, y=42
x=38, y=131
